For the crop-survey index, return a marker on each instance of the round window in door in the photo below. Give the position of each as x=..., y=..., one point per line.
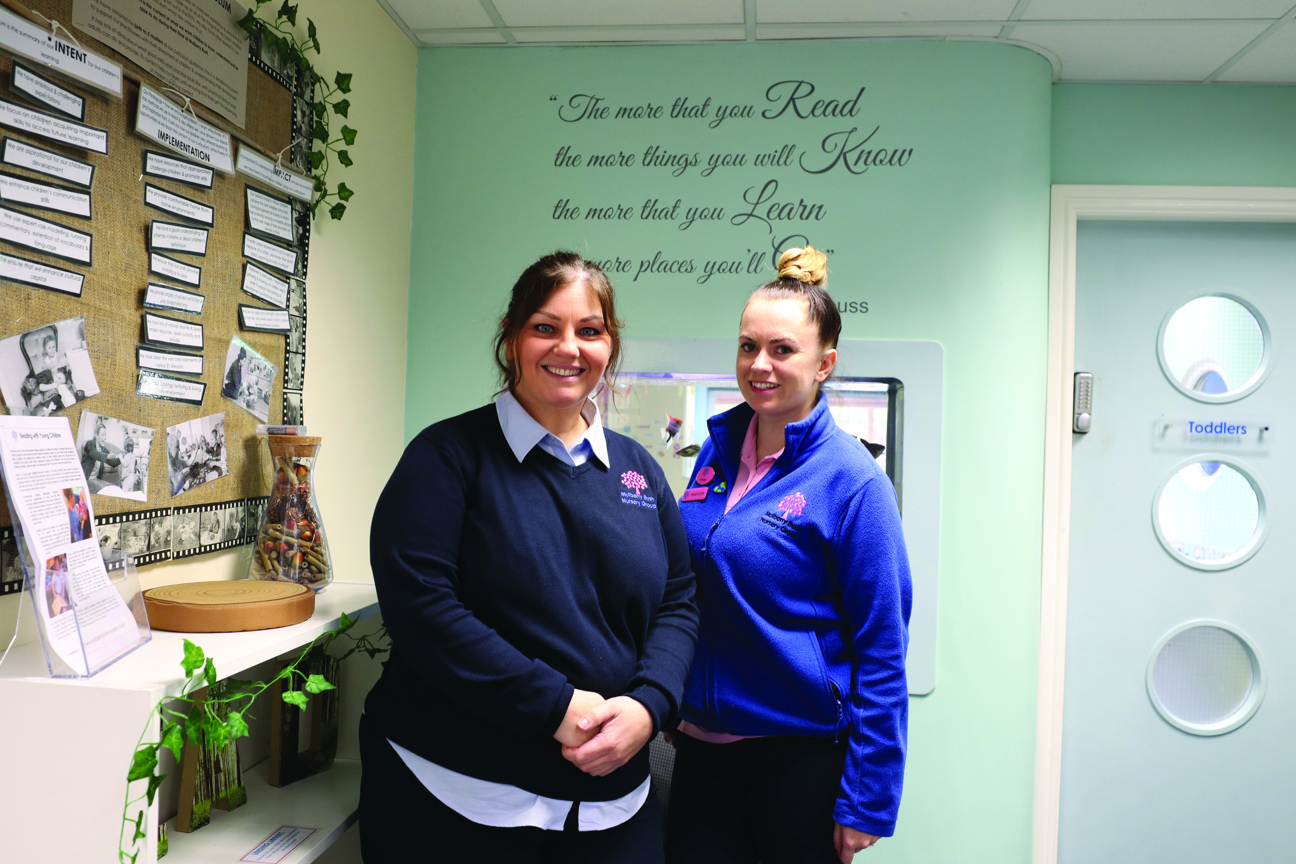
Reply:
x=1209, y=513
x=1205, y=678
x=1215, y=348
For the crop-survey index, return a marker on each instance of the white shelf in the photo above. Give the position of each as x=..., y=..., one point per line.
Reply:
x=157, y=664
x=98, y=721
x=326, y=802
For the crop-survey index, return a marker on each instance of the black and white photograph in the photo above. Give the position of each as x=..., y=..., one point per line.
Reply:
x=234, y=522
x=134, y=537
x=295, y=371
x=296, y=334
x=109, y=537
x=211, y=526
x=47, y=369
x=297, y=297
x=185, y=539
x=11, y=572
x=249, y=379
x=292, y=408
x=160, y=534
x=253, y=510
x=196, y=454
x=114, y=455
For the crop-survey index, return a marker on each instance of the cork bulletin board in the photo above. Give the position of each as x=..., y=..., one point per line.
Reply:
x=222, y=512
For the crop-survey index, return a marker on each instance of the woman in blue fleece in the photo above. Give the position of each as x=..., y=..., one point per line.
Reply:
x=533, y=572
x=792, y=743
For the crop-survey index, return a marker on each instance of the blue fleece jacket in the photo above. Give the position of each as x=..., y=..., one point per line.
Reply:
x=805, y=595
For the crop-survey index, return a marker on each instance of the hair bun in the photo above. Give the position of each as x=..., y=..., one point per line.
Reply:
x=805, y=264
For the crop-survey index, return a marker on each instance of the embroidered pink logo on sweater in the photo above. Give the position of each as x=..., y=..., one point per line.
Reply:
x=792, y=505
x=634, y=481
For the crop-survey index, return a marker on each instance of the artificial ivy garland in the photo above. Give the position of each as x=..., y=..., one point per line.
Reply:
x=202, y=721
x=277, y=36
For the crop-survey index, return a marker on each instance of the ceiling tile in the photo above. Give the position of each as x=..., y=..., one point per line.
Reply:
x=429, y=38
x=915, y=30
x=440, y=14
x=1150, y=10
x=824, y=11
x=1273, y=61
x=1138, y=51
x=591, y=35
x=576, y=13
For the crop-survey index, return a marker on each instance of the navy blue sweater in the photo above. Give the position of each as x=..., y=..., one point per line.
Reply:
x=506, y=584
x=805, y=596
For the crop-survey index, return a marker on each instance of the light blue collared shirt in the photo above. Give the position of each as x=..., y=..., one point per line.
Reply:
x=523, y=432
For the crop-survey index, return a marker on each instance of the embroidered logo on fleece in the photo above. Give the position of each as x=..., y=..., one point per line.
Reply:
x=790, y=507
x=635, y=482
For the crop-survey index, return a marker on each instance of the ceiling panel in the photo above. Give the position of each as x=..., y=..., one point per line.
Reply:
x=1149, y=10
x=630, y=34
x=1273, y=61
x=576, y=13
x=916, y=30
x=439, y=14
x=820, y=11
x=429, y=38
x=1138, y=51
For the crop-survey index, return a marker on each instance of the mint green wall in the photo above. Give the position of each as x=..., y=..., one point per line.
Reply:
x=952, y=247
x=1174, y=134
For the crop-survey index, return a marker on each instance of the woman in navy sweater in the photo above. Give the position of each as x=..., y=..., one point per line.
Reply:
x=792, y=744
x=534, y=573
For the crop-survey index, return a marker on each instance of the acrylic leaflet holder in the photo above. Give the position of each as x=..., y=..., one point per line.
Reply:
x=88, y=607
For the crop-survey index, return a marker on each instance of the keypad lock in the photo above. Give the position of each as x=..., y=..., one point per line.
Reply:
x=1082, y=399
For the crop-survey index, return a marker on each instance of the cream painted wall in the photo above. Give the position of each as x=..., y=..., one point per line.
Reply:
x=357, y=286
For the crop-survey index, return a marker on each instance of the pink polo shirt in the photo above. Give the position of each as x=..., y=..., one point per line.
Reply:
x=750, y=473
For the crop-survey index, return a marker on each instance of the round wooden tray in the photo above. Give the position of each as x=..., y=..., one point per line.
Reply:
x=224, y=607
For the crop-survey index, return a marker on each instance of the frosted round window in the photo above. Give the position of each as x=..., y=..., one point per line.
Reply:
x=1214, y=348
x=1209, y=513
x=1204, y=677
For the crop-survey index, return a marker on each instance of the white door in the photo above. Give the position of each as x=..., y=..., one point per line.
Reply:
x=1179, y=725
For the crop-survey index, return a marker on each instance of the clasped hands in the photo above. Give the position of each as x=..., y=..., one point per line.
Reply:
x=600, y=735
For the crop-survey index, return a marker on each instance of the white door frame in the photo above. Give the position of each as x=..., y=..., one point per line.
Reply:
x=1069, y=205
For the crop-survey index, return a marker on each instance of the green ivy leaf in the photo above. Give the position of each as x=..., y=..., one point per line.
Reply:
x=209, y=673
x=216, y=732
x=343, y=81
x=318, y=683
x=139, y=827
x=288, y=12
x=315, y=44
x=295, y=697
x=316, y=159
x=321, y=132
x=320, y=109
x=341, y=107
x=310, y=29
x=236, y=725
x=346, y=622
x=133, y=857
x=337, y=210
x=249, y=22
x=142, y=763
x=193, y=658
x=154, y=782
x=194, y=725
x=172, y=739
x=348, y=135
x=320, y=187
x=345, y=158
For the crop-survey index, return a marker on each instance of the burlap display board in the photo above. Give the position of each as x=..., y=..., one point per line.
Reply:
x=111, y=299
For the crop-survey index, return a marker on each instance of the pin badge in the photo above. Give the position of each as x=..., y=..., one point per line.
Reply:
x=696, y=493
x=704, y=476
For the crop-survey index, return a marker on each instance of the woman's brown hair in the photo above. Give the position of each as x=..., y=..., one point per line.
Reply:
x=535, y=286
